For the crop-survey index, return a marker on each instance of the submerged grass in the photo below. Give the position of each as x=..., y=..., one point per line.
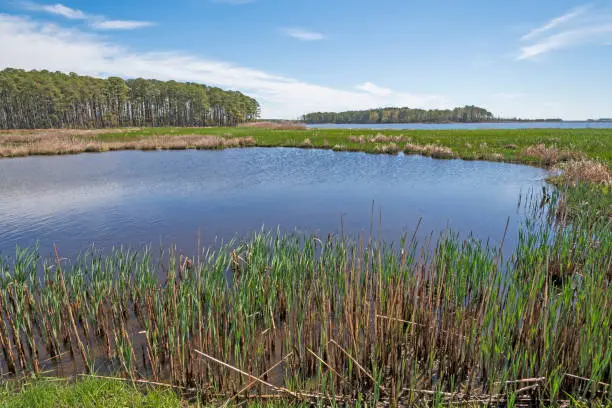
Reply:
x=336, y=321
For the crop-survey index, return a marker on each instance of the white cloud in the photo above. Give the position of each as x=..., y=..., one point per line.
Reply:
x=374, y=89
x=120, y=24
x=567, y=39
x=556, y=22
x=61, y=10
x=579, y=26
x=29, y=44
x=94, y=21
x=303, y=35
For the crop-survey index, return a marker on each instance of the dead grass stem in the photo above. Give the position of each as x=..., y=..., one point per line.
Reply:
x=586, y=170
x=433, y=150
x=550, y=155
x=55, y=142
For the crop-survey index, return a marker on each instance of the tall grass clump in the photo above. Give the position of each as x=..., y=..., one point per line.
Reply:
x=335, y=321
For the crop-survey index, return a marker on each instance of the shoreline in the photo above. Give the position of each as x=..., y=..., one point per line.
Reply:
x=587, y=150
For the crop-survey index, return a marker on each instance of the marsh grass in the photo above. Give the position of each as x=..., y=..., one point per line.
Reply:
x=541, y=147
x=15, y=144
x=550, y=155
x=592, y=171
x=282, y=125
x=391, y=148
x=337, y=321
x=432, y=150
x=84, y=393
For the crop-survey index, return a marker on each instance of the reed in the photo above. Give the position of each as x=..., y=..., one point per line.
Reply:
x=51, y=142
x=340, y=321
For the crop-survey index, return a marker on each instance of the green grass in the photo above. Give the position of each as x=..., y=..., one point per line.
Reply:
x=85, y=393
x=91, y=392
x=467, y=144
x=103, y=393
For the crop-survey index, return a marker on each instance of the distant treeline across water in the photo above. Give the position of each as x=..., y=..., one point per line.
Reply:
x=403, y=115
x=43, y=99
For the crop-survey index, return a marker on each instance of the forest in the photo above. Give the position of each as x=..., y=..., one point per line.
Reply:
x=402, y=115
x=43, y=99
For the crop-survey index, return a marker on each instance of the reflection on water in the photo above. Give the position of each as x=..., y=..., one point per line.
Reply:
x=136, y=198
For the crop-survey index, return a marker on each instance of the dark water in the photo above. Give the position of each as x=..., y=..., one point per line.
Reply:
x=138, y=198
x=469, y=126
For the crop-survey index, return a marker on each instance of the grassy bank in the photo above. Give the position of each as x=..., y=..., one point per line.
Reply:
x=84, y=393
x=92, y=392
x=332, y=321
x=532, y=146
x=579, y=154
x=95, y=392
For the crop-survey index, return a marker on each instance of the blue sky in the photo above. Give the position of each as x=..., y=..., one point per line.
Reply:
x=521, y=58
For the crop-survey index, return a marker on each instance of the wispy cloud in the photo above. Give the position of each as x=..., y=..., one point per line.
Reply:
x=579, y=26
x=120, y=24
x=60, y=10
x=592, y=35
x=556, y=22
x=30, y=44
x=302, y=34
x=94, y=21
x=374, y=89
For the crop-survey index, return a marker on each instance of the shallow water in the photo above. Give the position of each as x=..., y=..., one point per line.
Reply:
x=137, y=198
x=467, y=126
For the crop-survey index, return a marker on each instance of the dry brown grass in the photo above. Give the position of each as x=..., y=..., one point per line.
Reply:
x=550, y=155
x=390, y=148
x=275, y=125
x=380, y=138
x=54, y=142
x=437, y=151
x=586, y=170
x=306, y=143
x=357, y=139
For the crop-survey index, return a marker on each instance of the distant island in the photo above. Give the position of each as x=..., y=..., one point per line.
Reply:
x=466, y=114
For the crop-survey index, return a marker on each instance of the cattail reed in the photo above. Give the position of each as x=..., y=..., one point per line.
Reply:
x=448, y=320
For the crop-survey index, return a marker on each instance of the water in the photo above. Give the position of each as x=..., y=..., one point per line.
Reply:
x=468, y=126
x=137, y=198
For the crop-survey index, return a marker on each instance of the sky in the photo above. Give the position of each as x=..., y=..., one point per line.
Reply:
x=525, y=58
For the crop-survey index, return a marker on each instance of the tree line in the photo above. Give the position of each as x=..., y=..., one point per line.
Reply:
x=43, y=99
x=402, y=115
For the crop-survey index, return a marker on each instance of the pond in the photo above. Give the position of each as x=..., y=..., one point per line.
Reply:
x=136, y=198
